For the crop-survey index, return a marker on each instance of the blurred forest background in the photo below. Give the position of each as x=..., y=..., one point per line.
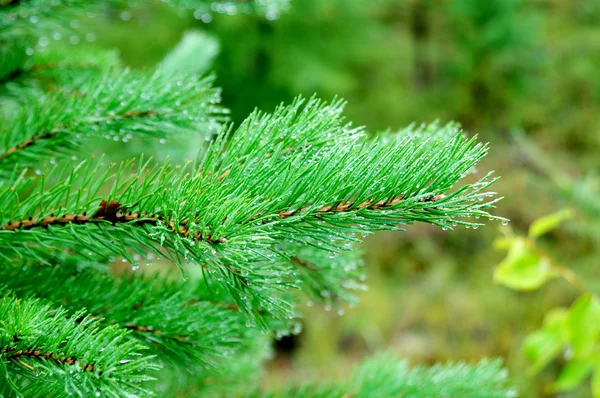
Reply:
x=522, y=74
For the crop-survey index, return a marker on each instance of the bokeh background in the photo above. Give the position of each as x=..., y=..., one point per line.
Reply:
x=522, y=74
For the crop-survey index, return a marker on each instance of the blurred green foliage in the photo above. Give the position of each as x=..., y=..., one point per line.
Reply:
x=522, y=74
x=572, y=334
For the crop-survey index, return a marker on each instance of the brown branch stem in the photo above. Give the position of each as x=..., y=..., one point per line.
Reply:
x=344, y=207
x=49, y=134
x=114, y=213
x=12, y=353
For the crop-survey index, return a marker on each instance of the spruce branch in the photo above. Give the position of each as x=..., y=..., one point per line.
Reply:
x=45, y=352
x=116, y=107
x=386, y=376
x=168, y=317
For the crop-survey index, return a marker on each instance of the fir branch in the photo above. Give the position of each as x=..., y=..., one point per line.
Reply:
x=385, y=376
x=153, y=105
x=44, y=352
x=169, y=318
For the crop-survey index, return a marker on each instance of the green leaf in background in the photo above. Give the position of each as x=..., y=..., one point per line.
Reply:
x=548, y=223
x=503, y=243
x=596, y=382
x=583, y=325
x=572, y=375
x=522, y=269
x=544, y=344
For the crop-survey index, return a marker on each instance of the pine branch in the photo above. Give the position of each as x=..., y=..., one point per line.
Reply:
x=26, y=20
x=44, y=352
x=195, y=52
x=115, y=107
x=299, y=176
x=384, y=376
x=327, y=276
x=169, y=318
x=234, y=378
x=270, y=8
x=12, y=59
x=29, y=19
x=54, y=69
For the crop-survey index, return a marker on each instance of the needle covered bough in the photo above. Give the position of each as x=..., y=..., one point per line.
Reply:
x=267, y=215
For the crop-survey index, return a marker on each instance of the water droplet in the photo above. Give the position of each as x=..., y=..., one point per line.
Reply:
x=125, y=15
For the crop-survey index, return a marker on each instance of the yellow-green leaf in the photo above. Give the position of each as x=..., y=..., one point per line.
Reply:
x=596, y=382
x=572, y=375
x=503, y=243
x=542, y=345
x=583, y=325
x=548, y=223
x=523, y=269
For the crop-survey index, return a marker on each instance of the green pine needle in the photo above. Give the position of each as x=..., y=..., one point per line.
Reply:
x=300, y=175
x=45, y=352
x=182, y=327
x=386, y=377
x=116, y=107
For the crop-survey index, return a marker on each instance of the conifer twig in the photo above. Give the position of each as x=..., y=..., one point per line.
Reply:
x=184, y=327
x=250, y=191
x=133, y=103
x=385, y=376
x=45, y=352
